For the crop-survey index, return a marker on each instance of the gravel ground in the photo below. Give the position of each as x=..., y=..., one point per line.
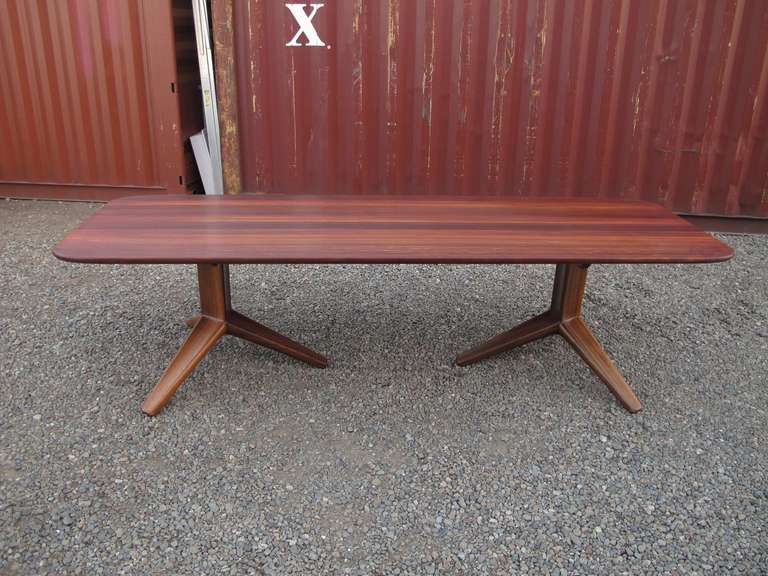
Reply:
x=391, y=461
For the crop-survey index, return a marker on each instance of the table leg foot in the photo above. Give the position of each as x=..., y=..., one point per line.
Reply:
x=563, y=317
x=578, y=335
x=203, y=337
x=243, y=327
x=530, y=330
x=247, y=329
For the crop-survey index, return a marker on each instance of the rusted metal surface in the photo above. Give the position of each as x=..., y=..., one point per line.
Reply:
x=662, y=100
x=226, y=93
x=89, y=99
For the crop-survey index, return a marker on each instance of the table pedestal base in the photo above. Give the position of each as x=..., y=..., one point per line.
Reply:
x=564, y=318
x=216, y=319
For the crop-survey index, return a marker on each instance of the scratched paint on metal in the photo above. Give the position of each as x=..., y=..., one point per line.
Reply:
x=663, y=100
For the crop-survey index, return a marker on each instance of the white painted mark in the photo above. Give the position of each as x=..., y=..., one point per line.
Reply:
x=306, y=28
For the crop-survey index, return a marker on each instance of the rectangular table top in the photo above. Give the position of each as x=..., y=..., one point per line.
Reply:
x=385, y=229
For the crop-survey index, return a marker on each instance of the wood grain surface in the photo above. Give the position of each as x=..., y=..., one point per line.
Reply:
x=385, y=229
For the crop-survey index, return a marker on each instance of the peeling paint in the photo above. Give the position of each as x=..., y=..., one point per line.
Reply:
x=631, y=98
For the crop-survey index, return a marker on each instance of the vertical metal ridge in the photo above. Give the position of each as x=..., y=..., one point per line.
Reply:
x=16, y=161
x=116, y=24
x=423, y=154
x=23, y=100
x=78, y=105
x=585, y=73
x=413, y=116
x=259, y=112
x=618, y=98
x=514, y=122
x=455, y=88
x=316, y=64
x=400, y=53
x=303, y=107
x=359, y=77
x=681, y=184
x=369, y=39
x=106, y=125
x=293, y=179
x=145, y=95
x=715, y=178
x=71, y=89
x=499, y=42
x=549, y=82
x=479, y=179
x=109, y=77
x=563, y=100
x=59, y=96
x=278, y=27
x=91, y=106
x=51, y=144
x=751, y=191
x=32, y=92
x=439, y=117
x=346, y=78
x=328, y=156
x=474, y=174
x=530, y=175
x=383, y=95
x=462, y=97
x=649, y=123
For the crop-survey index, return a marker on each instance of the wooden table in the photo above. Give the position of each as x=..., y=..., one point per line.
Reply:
x=213, y=232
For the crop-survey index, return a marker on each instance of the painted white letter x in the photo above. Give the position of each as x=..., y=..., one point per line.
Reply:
x=305, y=24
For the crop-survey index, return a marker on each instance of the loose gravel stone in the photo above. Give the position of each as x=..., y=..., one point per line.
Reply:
x=392, y=460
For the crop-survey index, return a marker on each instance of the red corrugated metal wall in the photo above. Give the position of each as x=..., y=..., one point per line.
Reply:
x=656, y=99
x=88, y=98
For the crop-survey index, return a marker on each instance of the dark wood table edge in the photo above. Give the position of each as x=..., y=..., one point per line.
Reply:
x=61, y=255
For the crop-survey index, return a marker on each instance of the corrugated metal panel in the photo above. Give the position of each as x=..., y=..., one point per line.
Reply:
x=656, y=99
x=87, y=95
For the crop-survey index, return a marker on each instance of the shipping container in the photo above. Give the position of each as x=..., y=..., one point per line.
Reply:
x=97, y=97
x=662, y=100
